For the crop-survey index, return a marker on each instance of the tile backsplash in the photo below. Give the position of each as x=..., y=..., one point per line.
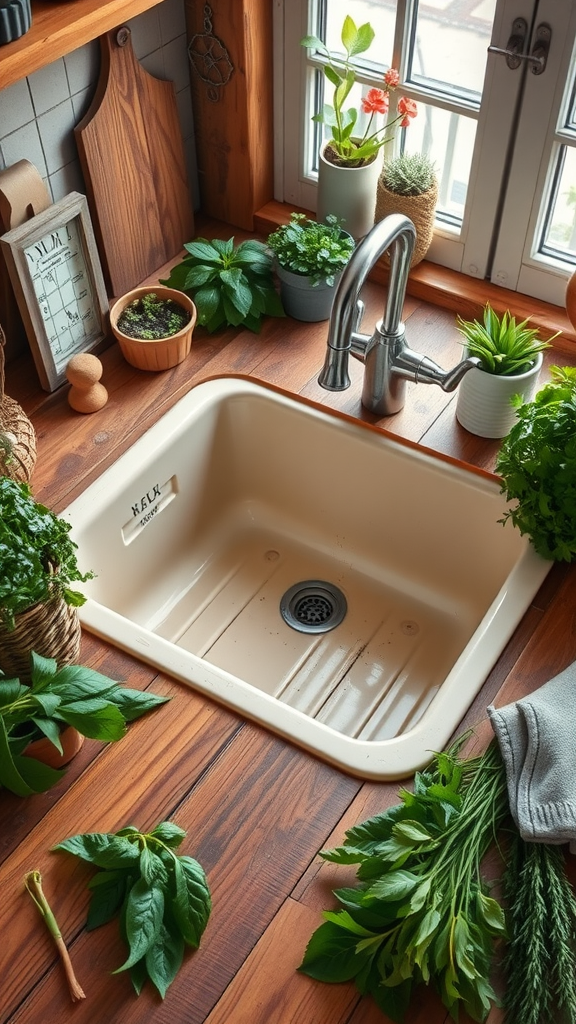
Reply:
x=38, y=114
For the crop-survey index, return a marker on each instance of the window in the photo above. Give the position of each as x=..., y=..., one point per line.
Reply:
x=501, y=131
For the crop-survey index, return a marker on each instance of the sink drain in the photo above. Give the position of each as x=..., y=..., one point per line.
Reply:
x=313, y=607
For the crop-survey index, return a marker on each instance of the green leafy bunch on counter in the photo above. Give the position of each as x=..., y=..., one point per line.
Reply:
x=230, y=285
x=537, y=462
x=162, y=898
x=421, y=912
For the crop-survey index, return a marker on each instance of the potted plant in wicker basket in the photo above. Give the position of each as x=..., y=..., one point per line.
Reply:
x=38, y=608
x=408, y=185
x=17, y=436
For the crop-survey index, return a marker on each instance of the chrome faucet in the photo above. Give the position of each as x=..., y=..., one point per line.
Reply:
x=389, y=363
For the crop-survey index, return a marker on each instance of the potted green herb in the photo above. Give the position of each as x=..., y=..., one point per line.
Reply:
x=38, y=565
x=58, y=703
x=231, y=285
x=511, y=358
x=537, y=462
x=153, y=326
x=408, y=185
x=310, y=258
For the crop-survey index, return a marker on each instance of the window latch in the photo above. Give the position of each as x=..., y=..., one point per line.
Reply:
x=515, y=45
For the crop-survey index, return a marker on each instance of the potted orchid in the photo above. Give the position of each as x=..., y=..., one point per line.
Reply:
x=353, y=197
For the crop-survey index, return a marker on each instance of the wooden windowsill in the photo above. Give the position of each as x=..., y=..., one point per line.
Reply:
x=452, y=290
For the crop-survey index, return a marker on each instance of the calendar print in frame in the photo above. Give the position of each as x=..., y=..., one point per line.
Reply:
x=55, y=271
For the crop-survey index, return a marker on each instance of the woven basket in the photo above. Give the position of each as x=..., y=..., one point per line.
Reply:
x=20, y=460
x=51, y=629
x=420, y=209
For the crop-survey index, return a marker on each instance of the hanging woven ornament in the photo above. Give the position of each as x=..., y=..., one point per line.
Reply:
x=209, y=58
x=17, y=437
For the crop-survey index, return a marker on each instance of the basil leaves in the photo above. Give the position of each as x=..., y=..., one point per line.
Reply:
x=162, y=898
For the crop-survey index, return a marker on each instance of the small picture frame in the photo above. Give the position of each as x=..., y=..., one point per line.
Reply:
x=56, y=275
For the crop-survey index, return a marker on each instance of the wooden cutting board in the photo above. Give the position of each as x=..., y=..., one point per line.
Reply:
x=131, y=151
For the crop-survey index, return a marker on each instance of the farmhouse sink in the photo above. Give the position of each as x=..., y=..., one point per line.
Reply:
x=348, y=590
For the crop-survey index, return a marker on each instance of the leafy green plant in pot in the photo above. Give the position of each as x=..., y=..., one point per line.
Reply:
x=511, y=358
x=231, y=285
x=310, y=258
x=408, y=185
x=38, y=565
x=73, y=696
x=537, y=462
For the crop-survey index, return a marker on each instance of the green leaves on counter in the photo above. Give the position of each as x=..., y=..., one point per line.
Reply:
x=162, y=898
x=421, y=912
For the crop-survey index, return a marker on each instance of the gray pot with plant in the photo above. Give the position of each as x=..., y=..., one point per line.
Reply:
x=511, y=358
x=310, y=258
x=537, y=463
x=38, y=564
x=408, y=185
x=42, y=713
x=232, y=285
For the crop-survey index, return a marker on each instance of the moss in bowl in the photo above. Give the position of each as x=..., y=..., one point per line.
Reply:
x=149, y=317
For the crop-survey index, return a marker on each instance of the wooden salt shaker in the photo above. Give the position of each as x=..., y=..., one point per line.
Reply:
x=86, y=394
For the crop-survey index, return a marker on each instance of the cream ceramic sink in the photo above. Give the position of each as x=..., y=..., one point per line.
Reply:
x=245, y=516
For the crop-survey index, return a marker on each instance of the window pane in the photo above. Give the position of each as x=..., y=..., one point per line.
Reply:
x=448, y=52
x=448, y=139
x=559, y=236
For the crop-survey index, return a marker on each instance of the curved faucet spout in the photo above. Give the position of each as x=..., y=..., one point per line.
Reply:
x=397, y=232
x=389, y=362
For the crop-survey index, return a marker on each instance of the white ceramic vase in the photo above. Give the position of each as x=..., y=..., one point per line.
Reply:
x=349, y=193
x=483, y=406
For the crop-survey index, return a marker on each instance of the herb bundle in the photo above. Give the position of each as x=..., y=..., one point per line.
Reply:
x=540, y=961
x=422, y=912
x=162, y=898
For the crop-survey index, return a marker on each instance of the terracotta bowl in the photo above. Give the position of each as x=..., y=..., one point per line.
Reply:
x=163, y=353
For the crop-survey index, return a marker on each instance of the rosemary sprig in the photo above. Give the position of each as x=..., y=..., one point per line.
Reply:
x=540, y=961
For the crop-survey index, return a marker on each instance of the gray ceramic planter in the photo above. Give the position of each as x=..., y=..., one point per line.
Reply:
x=15, y=19
x=303, y=300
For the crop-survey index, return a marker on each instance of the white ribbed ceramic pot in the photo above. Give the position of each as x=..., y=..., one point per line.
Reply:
x=349, y=193
x=483, y=406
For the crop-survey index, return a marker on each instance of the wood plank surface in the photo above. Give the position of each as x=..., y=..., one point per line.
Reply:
x=257, y=809
x=132, y=155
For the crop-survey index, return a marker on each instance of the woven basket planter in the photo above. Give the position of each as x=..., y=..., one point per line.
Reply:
x=19, y=462
x=420, y=209
x=51, y=629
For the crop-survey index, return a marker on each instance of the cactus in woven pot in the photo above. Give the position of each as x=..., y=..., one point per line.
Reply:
x=408, y=185
x=38, y=565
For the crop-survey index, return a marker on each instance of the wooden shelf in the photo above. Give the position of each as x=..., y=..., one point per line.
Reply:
x=60, y=27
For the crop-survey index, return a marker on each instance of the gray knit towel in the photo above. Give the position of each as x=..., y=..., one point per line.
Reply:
x=537, y=737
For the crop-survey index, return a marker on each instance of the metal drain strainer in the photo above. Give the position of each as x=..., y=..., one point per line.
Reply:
x=313, y=606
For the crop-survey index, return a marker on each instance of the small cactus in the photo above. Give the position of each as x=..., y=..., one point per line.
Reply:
x=409, y=174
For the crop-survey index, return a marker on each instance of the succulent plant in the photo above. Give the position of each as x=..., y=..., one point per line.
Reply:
x=505, y=347
x=409, y=174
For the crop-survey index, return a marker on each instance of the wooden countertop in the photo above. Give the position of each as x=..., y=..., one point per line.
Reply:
x=257, y=809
